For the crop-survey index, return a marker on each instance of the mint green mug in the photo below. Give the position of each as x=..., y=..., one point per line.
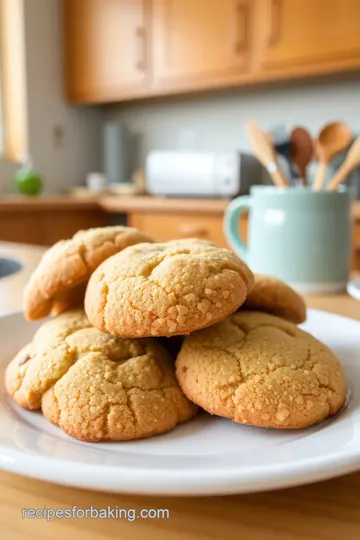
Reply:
x=298, y=235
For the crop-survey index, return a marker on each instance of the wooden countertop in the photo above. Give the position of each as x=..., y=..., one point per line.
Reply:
x=46, y=202
x=323, y=511
x=124, y=204
x=114, y=203
x=162, y=204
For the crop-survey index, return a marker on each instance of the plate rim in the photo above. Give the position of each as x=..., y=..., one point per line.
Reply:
x=229, y=482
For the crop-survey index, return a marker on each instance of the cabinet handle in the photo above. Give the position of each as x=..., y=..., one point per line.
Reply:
x=241, y=21
x=275, y=22
x=192, y=230
x=141, y=37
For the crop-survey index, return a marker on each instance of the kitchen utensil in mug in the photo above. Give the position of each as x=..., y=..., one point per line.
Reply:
x=350, y=163
x=332, y=139
x=265, y=153
x=302, y=151
x=298, y=235
x=282, y=145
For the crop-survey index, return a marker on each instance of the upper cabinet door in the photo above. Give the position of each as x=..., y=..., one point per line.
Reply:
x=199, y=41
x=105, y=48
x=309, y=32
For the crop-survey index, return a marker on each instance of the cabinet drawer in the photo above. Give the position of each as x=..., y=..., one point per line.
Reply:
x=164, y=227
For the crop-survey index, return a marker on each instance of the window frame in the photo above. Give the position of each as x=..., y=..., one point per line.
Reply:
x=13, y=81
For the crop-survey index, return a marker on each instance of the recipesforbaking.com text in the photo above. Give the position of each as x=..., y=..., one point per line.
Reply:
x=109, y=512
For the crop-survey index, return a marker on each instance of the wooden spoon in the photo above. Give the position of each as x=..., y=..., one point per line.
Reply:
x=332, y=139
x=265, y=152
x=302, y=150
x=351, y=161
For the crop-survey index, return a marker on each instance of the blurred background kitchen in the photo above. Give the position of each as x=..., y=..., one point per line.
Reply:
x=134, y=111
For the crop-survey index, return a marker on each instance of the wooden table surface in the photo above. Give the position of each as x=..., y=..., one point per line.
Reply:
x=323, y=511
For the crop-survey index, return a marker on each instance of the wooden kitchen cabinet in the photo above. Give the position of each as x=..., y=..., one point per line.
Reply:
x=105, y=49
x=118, y=50
x=296, y=34
x=164, y=227
x=198, y=41
x=46, y=219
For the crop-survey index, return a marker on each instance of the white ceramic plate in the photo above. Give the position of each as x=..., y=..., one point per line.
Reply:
x=208, y=455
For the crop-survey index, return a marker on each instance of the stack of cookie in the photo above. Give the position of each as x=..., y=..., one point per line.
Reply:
x=100, y=372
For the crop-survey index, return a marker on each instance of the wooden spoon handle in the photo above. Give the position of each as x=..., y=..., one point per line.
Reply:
x=262, y=143
x=339, y=177
x=302, y=176
x=352, y=161
x=265, y=152
x=279, y=178
x=320, y=177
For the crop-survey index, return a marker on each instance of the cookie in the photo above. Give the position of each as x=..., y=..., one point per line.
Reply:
x=57, y=284
x=96, y=386
x=258, y=369
x=272, y=295
x=45, y=360
x=166, y=289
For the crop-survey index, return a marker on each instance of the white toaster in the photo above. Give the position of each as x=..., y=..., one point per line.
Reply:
x=201, y=174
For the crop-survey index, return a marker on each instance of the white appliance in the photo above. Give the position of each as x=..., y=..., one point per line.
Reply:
x=201, y=174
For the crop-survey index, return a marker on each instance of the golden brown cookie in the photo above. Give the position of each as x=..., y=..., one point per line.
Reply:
x=96, y=386
x=57, y=283
x=166, y=289
x=45, y=360
x=258, y=369
x=272, y=295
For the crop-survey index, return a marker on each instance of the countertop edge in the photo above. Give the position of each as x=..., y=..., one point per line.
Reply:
x=124, y=204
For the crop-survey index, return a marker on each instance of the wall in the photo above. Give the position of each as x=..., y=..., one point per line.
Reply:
x=7, y=171
x=217, y=122
x=65, y=141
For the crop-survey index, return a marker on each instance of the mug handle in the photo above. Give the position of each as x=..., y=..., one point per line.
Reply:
x=231, y=224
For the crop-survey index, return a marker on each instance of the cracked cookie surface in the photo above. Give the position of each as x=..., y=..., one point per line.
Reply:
x=258, y=369
x=45, y=360
x=166, y=289
x=96, y=386
x=59, y=281
x=273, y=296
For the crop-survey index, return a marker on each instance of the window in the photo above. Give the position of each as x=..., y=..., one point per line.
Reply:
x=13, y=80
